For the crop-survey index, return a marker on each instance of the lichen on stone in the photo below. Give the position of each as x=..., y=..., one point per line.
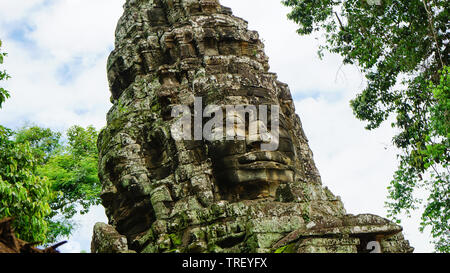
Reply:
x=167, y=195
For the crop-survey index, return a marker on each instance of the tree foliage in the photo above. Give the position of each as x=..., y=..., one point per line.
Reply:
x=74, y=171
x=401, y=46
x=44, y=142
x=71, y=169
x=4, y=94
x=45, y=181
x=23, y=194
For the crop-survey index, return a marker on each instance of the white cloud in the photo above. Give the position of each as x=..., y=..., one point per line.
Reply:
x=38, y=96
x=59, y=78
x=71, y=28
x=15, y=10
x=294, y=58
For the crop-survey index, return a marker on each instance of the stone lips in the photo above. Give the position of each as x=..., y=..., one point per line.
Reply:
x=163, y=195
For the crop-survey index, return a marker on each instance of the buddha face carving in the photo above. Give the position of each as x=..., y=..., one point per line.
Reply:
x=251, y=153
x=243, y=171
x=243, y=168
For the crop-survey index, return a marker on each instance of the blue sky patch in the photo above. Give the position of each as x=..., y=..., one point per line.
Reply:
x=67, y=72
x=19, y=32
x=327, y=96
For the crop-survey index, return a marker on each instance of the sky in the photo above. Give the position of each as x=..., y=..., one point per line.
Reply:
x=57, y=52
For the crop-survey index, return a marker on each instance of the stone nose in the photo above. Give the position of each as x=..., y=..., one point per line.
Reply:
x=259, y=133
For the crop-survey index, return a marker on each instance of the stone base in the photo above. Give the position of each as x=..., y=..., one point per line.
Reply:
x=259, y=226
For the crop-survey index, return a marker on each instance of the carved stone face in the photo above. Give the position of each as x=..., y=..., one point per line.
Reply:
x=241, y=167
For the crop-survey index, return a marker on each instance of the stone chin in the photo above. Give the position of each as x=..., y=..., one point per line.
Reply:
x=251, y=175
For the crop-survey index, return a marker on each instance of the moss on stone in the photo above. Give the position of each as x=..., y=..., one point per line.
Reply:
x=290, y=248
x=176, y=238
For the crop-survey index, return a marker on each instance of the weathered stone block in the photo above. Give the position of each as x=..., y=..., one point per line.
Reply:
x=106, y=239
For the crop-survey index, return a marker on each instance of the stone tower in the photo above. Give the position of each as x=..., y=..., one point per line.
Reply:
x=163, y=194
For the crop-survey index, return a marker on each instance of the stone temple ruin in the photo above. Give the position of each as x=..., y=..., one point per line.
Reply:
x=165, y=195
